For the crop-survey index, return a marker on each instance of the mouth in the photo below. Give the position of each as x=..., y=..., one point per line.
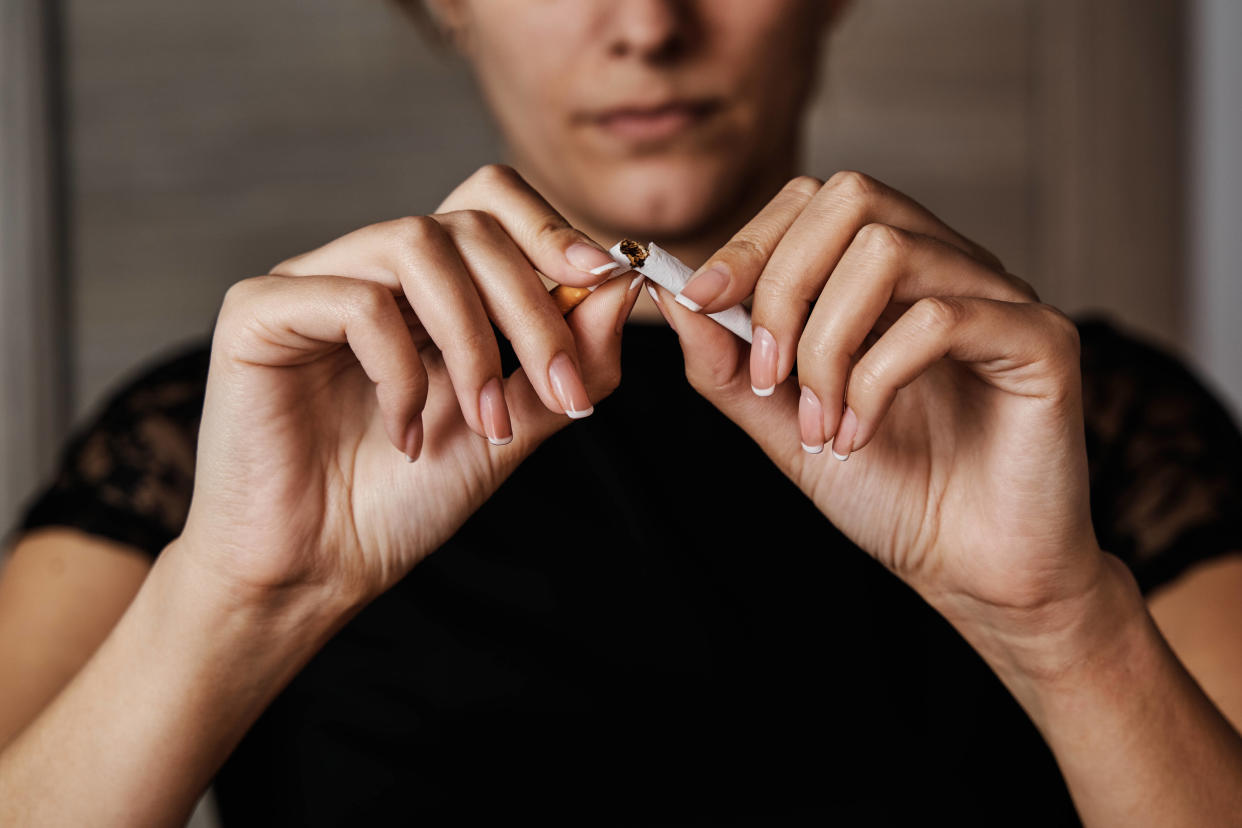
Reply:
x=653, y=122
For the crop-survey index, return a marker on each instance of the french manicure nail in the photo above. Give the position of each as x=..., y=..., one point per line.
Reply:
x=495, y=414
x=763, y=357
x=811, y=421
x=414, y=439
x=590, y=259
x=568, y=388
x=627, y=306
x=704, y=287
x=844, y=438
x=668, y=317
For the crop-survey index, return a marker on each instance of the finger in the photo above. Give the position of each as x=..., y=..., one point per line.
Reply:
x=554, y=247
x=845, y=203
x=1025, y=348
x=717, y=366
x=882, y=266
x=596, y=325
x=516, y=300
x=444, y=298
x=730, y=275
x=417, y=258
x=800, y=264
x=279, y=321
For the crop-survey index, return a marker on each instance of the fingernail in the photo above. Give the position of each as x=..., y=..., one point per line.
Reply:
x=627, y=306
x=495, y=414
x=568, y=388
x=811, y=421
x=590, y=259
x=704, y=287
x=655, y=297
x=844, y=438
x=414, y=439
x=762, y=362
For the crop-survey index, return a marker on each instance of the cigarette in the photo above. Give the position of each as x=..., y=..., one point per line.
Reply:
x=567, y=298
x=661, y=267
x=670, y=273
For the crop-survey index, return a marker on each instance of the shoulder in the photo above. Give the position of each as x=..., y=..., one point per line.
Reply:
x=1165, y=455
x=126, y=473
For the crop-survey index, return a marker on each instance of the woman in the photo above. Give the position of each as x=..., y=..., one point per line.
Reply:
x=661, y=616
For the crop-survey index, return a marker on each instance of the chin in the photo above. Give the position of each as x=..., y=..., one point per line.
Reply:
x=662, y=199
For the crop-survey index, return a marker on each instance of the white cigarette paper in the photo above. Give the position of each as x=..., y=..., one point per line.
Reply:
x=667, y=271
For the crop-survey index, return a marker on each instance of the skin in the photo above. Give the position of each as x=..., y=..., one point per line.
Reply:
x=951, y=389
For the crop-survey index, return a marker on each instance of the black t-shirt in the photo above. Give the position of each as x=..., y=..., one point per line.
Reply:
x=672, y=634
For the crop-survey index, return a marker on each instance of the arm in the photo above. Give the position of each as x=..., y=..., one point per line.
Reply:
x=1137, y=739
x=1200, y=616
x=61, y=592
x=352, y=422
x=136, y=736
x=956, y=398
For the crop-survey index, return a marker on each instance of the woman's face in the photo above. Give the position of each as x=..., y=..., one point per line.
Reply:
x=650, y=117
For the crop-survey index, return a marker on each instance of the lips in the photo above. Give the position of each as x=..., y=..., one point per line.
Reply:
x=644, y=123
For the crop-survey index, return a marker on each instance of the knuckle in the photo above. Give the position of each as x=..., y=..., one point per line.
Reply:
x=367, y=299
x=1022, y=286
x=243, y=292
x=477, y=345
x=851, y=184
x=883, y=240
x=235, y=295
x=471, y=222
x=805, y=184
x=866, y=382
x=413, y=232
x=548, y=226
x=820, y=354
x=285, y=264
x=495, y=176
x=986, y=256
x=712, y=373
x=937, y=313
x=1063, y=329
x=746, y=248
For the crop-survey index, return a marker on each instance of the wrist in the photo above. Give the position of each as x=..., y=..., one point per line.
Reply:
x=1060, y=643
x=300, y=608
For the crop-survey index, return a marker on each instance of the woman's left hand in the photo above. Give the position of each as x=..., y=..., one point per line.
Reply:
x=953, y=391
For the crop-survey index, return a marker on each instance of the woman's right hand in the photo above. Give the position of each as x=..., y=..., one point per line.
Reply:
x=328, y=372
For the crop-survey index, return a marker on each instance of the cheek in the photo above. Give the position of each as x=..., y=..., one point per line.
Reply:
x=771, y=47
x=524, y=53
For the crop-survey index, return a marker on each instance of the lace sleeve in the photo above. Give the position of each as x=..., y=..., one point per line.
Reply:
x=128, y=475
x=1165, y=457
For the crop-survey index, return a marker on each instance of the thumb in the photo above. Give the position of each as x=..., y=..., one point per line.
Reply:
x=718, y=367
x=596, y=324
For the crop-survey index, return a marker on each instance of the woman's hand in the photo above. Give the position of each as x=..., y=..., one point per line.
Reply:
x=327, y=373
x=953, y=391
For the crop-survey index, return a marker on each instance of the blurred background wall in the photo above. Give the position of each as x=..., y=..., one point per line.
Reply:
x=1092, y=145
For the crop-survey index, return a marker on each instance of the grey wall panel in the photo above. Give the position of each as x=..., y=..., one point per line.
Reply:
x=33, y=381
x=212, y=140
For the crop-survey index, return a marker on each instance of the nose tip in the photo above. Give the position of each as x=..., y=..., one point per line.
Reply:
x=650, y=29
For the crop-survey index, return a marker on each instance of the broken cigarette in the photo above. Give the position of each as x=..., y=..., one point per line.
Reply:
x=661, y=267
x=670, y=273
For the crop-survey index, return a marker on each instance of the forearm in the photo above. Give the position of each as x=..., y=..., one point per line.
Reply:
x=1137, y=740
x=137, y=735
